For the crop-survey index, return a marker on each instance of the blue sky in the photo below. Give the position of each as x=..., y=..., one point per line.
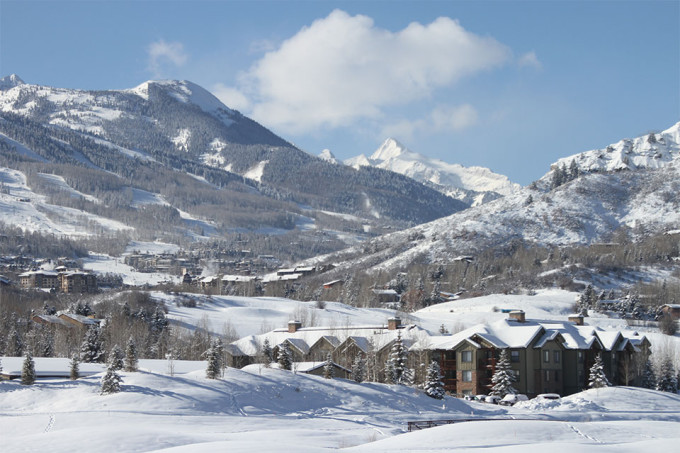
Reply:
x=508, y=85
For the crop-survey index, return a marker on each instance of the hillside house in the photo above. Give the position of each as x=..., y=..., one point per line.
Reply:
x=673, y=310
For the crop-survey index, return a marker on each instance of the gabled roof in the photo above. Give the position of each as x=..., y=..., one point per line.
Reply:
x=297, y=343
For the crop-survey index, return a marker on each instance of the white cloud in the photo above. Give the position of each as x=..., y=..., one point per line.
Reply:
x=162, y=52
x=231, y=97
x=529, y=60
x=343, y=68
x=441, y=119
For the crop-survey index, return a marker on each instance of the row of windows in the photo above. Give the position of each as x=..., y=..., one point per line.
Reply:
x=467, y=375
x=556, y=356
x=466, y=356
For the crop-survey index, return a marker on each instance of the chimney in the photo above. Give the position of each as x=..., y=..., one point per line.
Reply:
x=393, y=323
x=517, y=315
x=293, y=326
x=576, y=319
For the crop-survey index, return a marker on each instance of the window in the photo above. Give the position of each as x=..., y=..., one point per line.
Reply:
x=557, y=356
x=467, y=376
x=466, y=356
x=546, y=356
x=547, y=375
x=580, y=356
x=557, y=376
x=514, y=356
x=516, y=374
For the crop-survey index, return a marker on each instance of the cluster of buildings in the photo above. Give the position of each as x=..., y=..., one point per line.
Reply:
x=60, y=280
x=545, y=356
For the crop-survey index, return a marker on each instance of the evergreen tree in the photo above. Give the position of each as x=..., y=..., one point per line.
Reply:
x=15, y=344
x=285, y=357
x=359, y=369
x=110, y=382
x=131, y=355
x=28, y=370
x=434, y=387
x=503, y=377
x=597, y=378
x=648, y=376
x=328, y=370
x=396, y=371
x=92, y=350
x=667, y=379
x=74, y=366
x=267, y=352
x=213, y=357
x=116, y=358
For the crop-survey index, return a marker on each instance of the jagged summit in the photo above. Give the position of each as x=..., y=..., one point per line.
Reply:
x=328, y=156
x=390, y=149
x=653, y=150
x=10, y=81
x=472, y=185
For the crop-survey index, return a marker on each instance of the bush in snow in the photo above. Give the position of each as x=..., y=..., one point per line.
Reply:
x=110, y=382
x=503, y=377
x=434, y=387
x=28, y=370
x=597, y=378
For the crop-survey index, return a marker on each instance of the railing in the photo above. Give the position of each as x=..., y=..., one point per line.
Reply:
x=424, y=424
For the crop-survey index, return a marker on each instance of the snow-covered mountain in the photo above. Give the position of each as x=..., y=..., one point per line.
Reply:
x=472, y=185
x=633, y=184
x=207, y=167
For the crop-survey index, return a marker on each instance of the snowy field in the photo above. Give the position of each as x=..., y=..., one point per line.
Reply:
x=258, y=410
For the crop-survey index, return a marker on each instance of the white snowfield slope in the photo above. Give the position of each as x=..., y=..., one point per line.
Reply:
x=605, y=197
x=260, y=409
x=20, y=206
x=451, y=179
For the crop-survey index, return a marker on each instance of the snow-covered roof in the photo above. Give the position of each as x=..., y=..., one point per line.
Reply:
x=365, y=337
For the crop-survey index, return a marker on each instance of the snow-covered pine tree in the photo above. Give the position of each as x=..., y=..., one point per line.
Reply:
x=328, y=371
x=434, y=387
x=597, y=378
x=110, y=382
x=396, y=371
x=267, y=352
x=359, y=369
x=667, y=379
x=28, y=370
x=503, y=377
x=116, y=358
x=285, y=357
x=213, y=357
x=648, y=376
x=92, y=350
x=74, y=367
x=131, y=355
x=15, y=344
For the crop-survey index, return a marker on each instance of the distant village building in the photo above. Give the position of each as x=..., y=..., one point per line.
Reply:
x=71, y=282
